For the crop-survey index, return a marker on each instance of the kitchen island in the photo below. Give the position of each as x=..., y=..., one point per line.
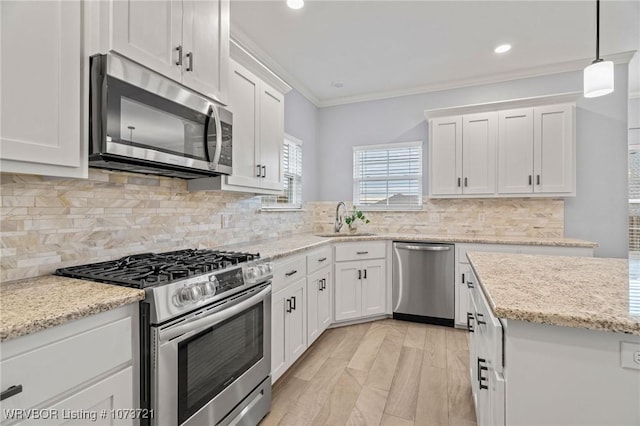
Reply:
x=555, y=340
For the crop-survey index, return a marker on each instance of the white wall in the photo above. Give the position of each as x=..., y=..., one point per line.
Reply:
x=301, y=121
x=598, y=212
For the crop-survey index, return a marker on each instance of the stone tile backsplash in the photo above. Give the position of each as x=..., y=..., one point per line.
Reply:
x=47, y=223
x=513, y=217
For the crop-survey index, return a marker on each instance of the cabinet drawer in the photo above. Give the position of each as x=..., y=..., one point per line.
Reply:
x=318, y=259
x=288, y=270
x=50, y=370
x=360, y=251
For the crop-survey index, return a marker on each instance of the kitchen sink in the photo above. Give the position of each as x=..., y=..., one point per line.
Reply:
x=339, y=234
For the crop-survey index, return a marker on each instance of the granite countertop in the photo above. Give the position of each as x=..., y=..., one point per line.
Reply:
x=583, y=292
x=294, y=244
x=35, y=304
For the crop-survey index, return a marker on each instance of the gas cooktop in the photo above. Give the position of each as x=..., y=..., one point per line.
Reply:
x=152, y=269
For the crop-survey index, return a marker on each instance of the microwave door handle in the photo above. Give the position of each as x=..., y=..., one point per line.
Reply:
x=216, y=155
x=194, y=325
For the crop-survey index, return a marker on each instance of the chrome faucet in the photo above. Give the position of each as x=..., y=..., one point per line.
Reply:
x=338, y=223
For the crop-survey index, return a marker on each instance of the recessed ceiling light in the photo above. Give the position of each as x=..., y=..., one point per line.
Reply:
x=338, y=84
x=295, y=4
x=503, y=48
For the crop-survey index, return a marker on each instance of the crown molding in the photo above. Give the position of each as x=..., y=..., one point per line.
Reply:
x=246, y=44
x=246, y=59
x=618, y=58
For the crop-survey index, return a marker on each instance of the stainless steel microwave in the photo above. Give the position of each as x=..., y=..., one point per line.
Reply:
x=143, y=122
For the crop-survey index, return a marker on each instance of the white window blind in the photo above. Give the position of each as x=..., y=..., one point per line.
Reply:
x=292, y=179
x=388, y=177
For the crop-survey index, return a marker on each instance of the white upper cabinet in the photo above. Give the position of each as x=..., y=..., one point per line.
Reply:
x=445, y=173
x=271, y=137
x=536, y=151
x=185, y=40
x=500, y=152
x=479, y=134
x=462, y=155
x=554, y=149
x=515, y=151
x=43, y=114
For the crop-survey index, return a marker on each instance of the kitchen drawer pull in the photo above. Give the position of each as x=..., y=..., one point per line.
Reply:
x=11, y=391
x=179, y=60
x=190, y=58
x=259, y=170
x=293, y=299
x=480, y=319
x=322, y=259
x=362, y=252
x=470, y=318
x=288, y=309
x=470, y=284
x=288, y=274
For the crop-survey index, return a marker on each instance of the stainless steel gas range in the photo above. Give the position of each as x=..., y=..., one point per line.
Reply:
x=205, y=328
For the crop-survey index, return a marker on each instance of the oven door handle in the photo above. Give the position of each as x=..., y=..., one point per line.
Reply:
x=196, y=324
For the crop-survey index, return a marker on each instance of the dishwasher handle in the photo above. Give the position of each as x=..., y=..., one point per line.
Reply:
x=415, y=247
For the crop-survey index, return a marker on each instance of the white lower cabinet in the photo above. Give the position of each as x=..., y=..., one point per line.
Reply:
x=318, y=303
x=463, y=269
x=288, y=326
x=360, y=285
x=78, y=368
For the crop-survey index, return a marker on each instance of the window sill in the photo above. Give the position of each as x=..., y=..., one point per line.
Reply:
x=389, y=209
x=281, y=209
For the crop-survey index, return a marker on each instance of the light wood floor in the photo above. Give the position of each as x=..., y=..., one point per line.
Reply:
x=387, y=373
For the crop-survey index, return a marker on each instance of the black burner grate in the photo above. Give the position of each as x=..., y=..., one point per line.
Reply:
x=148, y=269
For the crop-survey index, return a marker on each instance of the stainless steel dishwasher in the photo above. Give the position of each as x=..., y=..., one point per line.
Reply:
x=423, y=282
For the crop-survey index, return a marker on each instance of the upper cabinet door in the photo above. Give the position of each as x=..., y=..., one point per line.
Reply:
x=150, y=33
x=41, y=103
x=515, y=151
x=271, y=137
x=554, y=153
x=445, y=145
x=479, y=153
x=205, y=35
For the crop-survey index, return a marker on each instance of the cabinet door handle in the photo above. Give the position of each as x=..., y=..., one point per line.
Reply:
x=324, y=283
x=459, y=182
x=365, y=274
x=465, y=182
x=470, y=284
x=179, y=60
x=480, y=319
x=530, y=180
x=10, y=391
x=259, y=170
x=190, y=59
x=264, y=171
x=462, y=278
x=362, y=252
x=482, y=368
x=288, y=309
x=288, y=274
x=359, y=274
x=537, y=179
x=293, y=298
x=320, y=284
x=322, y=259
x=470, y=318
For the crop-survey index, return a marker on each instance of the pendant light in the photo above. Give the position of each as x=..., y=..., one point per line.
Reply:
x=598, y=77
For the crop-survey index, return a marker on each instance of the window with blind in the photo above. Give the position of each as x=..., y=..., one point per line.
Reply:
x=388, y=177
x=292, y=179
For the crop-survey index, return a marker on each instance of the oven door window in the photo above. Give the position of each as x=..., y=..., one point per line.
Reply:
x=145, y=120
x=213, y=359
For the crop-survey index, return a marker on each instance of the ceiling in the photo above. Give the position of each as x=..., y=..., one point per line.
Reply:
x=380, y=49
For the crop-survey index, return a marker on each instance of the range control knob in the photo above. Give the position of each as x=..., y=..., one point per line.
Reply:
x=188, y=295
x=209, y=288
